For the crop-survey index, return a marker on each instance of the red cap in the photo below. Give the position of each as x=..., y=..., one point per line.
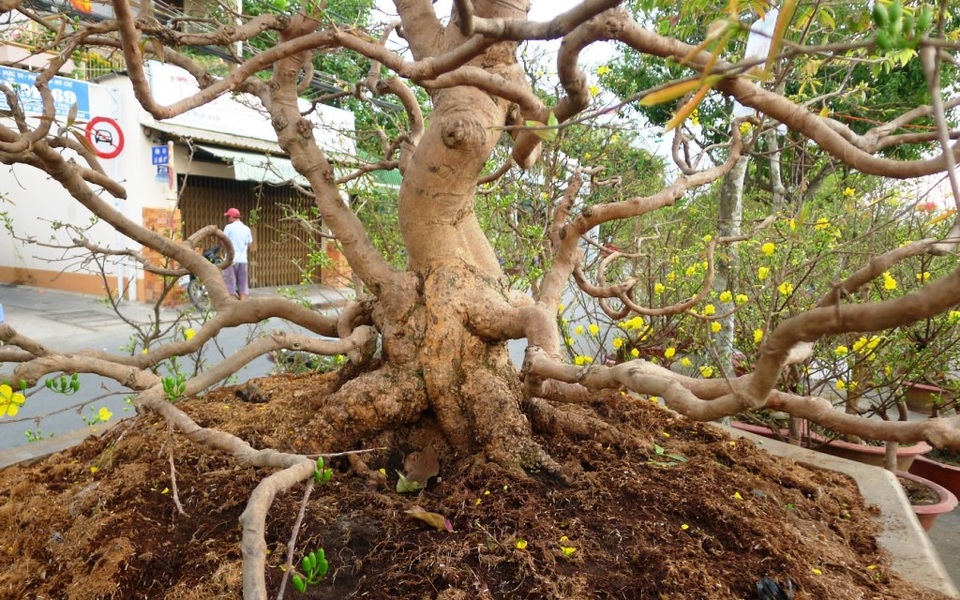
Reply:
x=232, y=212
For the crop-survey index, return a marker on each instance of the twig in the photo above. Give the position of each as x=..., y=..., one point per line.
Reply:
x=292, y=544
x=173, y=474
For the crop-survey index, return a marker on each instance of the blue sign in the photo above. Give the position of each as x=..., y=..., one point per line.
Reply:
x=163, y=173
x=160, y=155
x=66, y=93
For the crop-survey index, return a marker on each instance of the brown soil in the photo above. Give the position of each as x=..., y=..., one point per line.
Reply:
x=680, y=512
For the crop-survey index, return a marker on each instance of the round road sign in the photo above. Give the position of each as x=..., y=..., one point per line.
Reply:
x=105, y=136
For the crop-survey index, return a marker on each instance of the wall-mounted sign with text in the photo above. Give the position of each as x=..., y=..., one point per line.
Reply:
x=66, y=93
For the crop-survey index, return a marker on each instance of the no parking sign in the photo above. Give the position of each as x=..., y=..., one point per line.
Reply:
x=106, y=137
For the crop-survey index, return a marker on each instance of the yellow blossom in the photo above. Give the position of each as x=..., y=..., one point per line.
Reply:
x=568, y=341
x=849, y=192
x=594, y=90
x=923, y=277
x=706, y=371
x=709, y=310
x=560, y=307
x=822, y=223
x=763, y=273
x=568, y=550
x=578, y=330
x=841, y=351
x=691, y=270
x=658, y=288
x=785, y=288
x=686, y=362
x=757, y=335
x=793, y=224
x=726, y=296
x=745, y=127
x=684, y=526
x=669, y=352
x=742, y=298
x=104, y=414
x=94, y=469
x=889, y=283
x=818, y=571
x=634, y=352
x=716, y=327
x=145, y=350
x=594, y=329
x=708, y=238
x=737, y=496
x=188, y=333
x=841, y=385
x=582, y=360
x=521, y=544
x=671, y=276
x=618, y=343
x=768, y=248
x=603, y=70
x=10, y=401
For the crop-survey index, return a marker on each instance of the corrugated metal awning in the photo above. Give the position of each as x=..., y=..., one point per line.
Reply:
x=254, y=166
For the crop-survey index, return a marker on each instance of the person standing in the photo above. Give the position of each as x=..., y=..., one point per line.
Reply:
x=237, y=277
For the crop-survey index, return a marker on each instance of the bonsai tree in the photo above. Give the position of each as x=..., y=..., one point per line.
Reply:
x=428, y=337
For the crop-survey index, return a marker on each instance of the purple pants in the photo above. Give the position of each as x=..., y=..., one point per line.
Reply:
x=236, y=279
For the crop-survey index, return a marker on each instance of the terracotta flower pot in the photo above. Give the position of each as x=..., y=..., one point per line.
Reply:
x=922, y=397
x=863, y=453
x=940, y=473
x=928, y=513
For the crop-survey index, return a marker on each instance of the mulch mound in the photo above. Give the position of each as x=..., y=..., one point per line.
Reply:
x=680, y=512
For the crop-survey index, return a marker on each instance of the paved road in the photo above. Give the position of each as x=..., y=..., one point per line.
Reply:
x=68, y=322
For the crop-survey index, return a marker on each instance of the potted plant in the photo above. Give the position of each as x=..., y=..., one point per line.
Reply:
x=928, y=499
x=940, y=466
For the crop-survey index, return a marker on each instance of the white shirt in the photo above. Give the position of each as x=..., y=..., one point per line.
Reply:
x=241, y=237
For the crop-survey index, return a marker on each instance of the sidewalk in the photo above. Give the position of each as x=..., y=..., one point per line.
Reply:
x=75, y=320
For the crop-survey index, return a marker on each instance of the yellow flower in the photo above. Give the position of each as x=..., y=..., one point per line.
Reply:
x=706, y=372
x=818, y=571
x=560, y=307
x=568, y=550
x=94, y=469
x=737, y=496
x=708, y=238
x=10, y=401
x=757, y=335
x=763, y=273
x=849, y=192
x=658, y=288
x=634, y=352
x=923, y=277
x=768, y=248
x=618, y=343
x=594, y=90
x=686, y=362
x=785, y=288
x=793, y=224
x=603, y=70
x=104, y=414
x=726, y=296
x=889, y=283
x=691, y=270
x=671, y=276
x=742, y=298
x=745, y=127
x=145, y=350
x=634, y=323
x=822, y=223
x=521, y=544
x=684, y=526
x=709, y=310
x=841, y=351
x=669, y=352
x=594, y=329
x=568, y=341
x=578, y=330
x=716, y=327
x=582, y=360
x=189, y=333
x=841, y=385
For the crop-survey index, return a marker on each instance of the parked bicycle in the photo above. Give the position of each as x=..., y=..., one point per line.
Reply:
x=196, y=290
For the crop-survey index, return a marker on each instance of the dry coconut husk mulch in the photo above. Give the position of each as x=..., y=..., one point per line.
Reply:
x=666, y=508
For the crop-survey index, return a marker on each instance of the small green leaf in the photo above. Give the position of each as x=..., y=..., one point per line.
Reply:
x=407, y=486
x=298, y=583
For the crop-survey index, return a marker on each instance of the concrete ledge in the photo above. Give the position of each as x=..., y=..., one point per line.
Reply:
x=913, y=554
x=33, y=451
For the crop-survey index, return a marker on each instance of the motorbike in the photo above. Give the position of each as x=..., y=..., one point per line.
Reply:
x=196, y=291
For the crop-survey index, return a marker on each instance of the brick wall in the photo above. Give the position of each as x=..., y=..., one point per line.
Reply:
x=168, y=224
x=338, y=274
